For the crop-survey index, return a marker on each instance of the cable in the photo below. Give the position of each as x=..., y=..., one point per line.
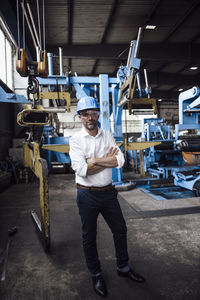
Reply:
x=123, y=52
x=57, y=87
x=23, y=26
x=18, y=32
x=44, y=29
x=30, y=28
x=39, y=28
x=33, y=23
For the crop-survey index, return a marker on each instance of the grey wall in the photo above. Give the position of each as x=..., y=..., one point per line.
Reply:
x=6, y=128
x=18, y=131
x=168, y=111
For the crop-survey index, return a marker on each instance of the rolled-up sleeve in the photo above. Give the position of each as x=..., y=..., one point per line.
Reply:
x=120, y=155
x=78, y=162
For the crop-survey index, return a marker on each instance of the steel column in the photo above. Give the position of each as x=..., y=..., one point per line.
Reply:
x=104, y=102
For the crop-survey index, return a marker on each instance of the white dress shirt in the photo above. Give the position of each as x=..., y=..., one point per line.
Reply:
x=83, y=146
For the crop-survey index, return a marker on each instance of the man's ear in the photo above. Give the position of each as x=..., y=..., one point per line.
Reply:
x=79, y=116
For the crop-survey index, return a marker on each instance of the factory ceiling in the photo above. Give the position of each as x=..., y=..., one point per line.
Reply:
x=95, y=36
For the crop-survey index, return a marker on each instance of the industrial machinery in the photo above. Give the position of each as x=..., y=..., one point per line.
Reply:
x=36, y=117
x=131, y=92
x=161, y=158
x=113, y=94
x=178, y=156
x=39, y=120
x=187, y=136
x=125, y=89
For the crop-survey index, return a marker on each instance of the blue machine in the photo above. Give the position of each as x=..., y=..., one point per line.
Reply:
x=51, y=139
x=160, y=159
x=107, y=90
x=103, y=86
x=188, y=141
x=168, y=158
x=188, y=111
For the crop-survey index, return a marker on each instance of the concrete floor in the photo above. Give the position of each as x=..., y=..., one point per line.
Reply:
x=163, y=241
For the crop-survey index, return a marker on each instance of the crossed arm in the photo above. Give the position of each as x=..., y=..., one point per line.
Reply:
x=95, y=165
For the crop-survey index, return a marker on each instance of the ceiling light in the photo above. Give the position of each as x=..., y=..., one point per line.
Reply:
x=193, y=68
x=159, y=100
x=151, y=27
x=180, y=90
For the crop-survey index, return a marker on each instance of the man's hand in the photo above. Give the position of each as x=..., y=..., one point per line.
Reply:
x=112, y=152
x=90, y=161
x=92, y=167
x=109, y=160
x=95, y=165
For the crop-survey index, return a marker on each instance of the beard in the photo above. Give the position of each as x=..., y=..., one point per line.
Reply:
x=91, y=125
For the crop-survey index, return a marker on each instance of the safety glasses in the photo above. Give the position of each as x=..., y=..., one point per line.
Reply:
x=89, y=113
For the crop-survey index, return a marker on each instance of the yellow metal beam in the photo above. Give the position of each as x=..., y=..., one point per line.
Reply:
x=58, y=148
x=64, y=148
x=57, y=96
x=131, y=146
x=140, y=145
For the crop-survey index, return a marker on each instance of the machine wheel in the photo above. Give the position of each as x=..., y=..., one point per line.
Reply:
x=196, y=189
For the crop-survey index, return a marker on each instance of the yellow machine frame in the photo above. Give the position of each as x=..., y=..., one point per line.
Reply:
x=28, y=109
x=57, y=96
x=39, y=167
x=141, y=146
x=143, y=102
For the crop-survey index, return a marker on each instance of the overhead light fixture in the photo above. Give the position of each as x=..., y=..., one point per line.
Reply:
x=159, y=100
x=180, y=90
x=193, y=68
x=150, y=27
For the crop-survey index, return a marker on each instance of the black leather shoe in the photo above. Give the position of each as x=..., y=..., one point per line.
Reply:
x=132, y=275
x=99, y=286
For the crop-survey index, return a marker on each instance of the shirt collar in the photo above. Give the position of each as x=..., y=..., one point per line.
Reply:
x=85, y=133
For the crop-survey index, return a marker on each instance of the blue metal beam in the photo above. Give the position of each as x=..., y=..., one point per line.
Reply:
x=54, y=80
x=63, y=80
x=12, y=98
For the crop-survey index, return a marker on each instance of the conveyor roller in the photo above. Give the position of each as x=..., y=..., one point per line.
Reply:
x=165, y=145
x=189, y=145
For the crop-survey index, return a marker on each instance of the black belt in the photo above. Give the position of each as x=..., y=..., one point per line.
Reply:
x=95, y=188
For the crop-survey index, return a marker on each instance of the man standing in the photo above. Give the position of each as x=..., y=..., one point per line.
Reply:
x=93, y=154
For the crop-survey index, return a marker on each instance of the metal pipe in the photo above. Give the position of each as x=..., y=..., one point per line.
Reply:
x=37, y=221
x=130, y=54
x=138, y=42
x=61, y=61
x=123, y=101
x=33, y=24
x=139, y=84
x=37, y=53
x=146, y=82
x=8, y=33
x=50, y=63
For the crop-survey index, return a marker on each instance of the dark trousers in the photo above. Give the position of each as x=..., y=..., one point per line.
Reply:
x=90, y=204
